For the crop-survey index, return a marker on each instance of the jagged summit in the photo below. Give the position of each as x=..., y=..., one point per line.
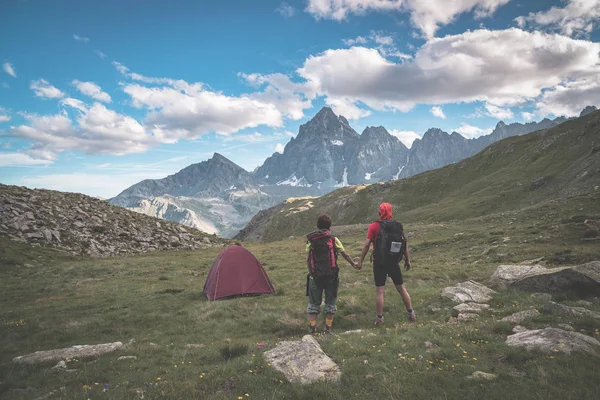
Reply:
x=587, y=110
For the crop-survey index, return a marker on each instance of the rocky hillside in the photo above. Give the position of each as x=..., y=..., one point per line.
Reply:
x=550, y=166
x=80, y=224
x=215, y=196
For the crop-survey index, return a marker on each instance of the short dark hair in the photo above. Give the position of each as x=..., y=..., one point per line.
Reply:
x=324, y=221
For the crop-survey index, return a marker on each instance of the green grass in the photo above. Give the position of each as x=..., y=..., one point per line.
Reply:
x=49, y=300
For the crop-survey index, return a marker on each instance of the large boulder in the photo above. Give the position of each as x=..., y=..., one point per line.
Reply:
x=303, y=361
x=468, y=292
x=576, y=312
x=67, y=353
x=551, y=340
x=520, y=316
x=505, y=275
x=583, y=279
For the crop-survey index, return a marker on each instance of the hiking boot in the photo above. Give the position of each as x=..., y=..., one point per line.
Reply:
x=312, y=329
x=378, y=320
x=412, y=316
x=328, y=330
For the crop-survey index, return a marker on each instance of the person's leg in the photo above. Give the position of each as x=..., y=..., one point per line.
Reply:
x=330, y=302
x=380, y=276
x=315, y=297
x=412, y=316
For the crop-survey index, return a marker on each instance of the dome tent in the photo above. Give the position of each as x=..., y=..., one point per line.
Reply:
x=236, y=272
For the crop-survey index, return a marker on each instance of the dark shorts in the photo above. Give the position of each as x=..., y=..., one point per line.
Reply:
x=380, y=273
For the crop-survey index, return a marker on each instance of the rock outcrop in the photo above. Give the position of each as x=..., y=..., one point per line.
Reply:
x=303, y=361
x=468, y=292
x=573, y=312
x=551, y=340
x=80, y=224
x=67, y=353
x=583, y=279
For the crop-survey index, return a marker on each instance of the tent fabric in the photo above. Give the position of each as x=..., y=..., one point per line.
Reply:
x=236, y=272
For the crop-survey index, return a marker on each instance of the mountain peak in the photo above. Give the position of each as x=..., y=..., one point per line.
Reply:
x=325, y=113
x=588, y=110
x=500, y=124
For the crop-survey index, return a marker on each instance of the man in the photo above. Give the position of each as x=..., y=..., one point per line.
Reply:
x=322, y=251
x=385, y=263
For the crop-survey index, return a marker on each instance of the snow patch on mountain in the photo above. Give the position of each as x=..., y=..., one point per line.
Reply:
x=337, y=143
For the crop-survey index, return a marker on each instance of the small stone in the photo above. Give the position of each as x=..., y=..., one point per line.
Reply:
x=480, y=375
x=519, y=329
x=541, y=297
x=471, y=308
x=61, y=365
x=127, y=358
x=353, y=331
x=431, y=347
x=521, y=316
x=465, y=317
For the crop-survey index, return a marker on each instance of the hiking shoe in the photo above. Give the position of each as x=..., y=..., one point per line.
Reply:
x=412, y=316
x=378, y=321
x=328, y=330
x=312, y=329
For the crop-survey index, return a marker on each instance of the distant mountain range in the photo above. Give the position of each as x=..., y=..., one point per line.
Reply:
x=218, y=196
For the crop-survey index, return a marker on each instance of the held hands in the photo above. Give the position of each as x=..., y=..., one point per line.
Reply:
x=357, y=265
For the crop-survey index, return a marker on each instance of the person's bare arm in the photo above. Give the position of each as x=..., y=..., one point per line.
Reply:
x=349, y=259
x=363, y=253
x=407, y=264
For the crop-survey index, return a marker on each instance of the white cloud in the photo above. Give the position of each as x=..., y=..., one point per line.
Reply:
x=9, y=69
x=527, y=116
x=81, y=38
x=20, y=159
x=426, y=15
x=92, y=90
x=357, y=40
x=406, y=137
x=44, y=89
x=498, y=112
x=468, y=67
x=290, y=98
x=471, y=132
x=97, y=130
x=4, y=117
x=577, y=18
x=438, y=112
x=100, y=54
x=346, y=107
x=279, y=148
x=286, y=10
x=569, y=98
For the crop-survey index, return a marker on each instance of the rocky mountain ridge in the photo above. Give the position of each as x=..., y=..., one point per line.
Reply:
x=83, y=225
x=218, y=196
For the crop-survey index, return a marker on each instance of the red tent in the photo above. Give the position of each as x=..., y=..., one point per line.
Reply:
x=236, y=272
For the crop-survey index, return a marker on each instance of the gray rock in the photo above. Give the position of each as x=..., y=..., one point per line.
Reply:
x=206, y=240
x=471, y=308
x=61, y=365
x=66, y=353
x=47, y=234
x=542, y=297
x=566, y=327
x=34, y=235
x=482, y=376
x=583, y=279
x=574, y=312
x=469, y=291
x=431, y=347
x=519, y=329
x=303, y=361
x=507, y=274
x=550, y=339
x=127, y=358
x=520, y=316
x=466, y=317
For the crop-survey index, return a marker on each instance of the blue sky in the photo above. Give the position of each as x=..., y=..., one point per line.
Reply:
x=96, y=96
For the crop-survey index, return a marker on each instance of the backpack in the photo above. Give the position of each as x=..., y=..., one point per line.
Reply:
x=390, y=244
x=322, y=255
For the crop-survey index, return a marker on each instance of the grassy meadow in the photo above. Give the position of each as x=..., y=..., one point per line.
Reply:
x=49, y=300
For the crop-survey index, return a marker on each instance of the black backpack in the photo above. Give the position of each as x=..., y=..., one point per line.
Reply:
x=390, y=244
x=322, y=256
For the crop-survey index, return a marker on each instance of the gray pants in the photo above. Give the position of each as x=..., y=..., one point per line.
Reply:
x=316, y=287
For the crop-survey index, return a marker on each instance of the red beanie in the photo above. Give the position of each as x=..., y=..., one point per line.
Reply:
x=385, y=211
